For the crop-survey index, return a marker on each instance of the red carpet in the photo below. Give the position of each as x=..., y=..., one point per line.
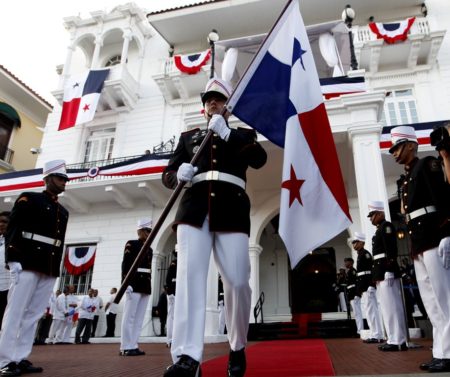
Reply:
x=280, y=358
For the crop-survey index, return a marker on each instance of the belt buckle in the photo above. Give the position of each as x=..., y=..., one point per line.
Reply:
x=212, y=175
x=56, y=243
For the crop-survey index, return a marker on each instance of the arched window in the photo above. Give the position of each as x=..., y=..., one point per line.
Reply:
x=116, y=59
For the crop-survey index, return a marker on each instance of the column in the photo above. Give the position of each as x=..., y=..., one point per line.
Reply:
x=370, y=181
x=95, y=56
x=127, y=36
x=254, y=252
x=212, y=292
x=67, y=65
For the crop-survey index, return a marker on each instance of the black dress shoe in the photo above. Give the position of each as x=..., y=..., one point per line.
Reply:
x=133, y=352
x=441, y=366
x=426, y=366
x=25, y=366
x=186, y=366
x=373, y=340
x=393, y=347
x=11, y=369
x=237, y=363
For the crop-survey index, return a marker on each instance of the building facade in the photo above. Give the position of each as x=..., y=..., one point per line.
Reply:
x=147, y=102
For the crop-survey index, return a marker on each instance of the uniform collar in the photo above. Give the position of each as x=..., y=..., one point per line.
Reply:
x=51, y=196
x=410, y=166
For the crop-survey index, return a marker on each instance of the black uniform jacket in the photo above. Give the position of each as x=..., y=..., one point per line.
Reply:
x=364, y=264
x=384, y=241
x=171, y=278
x=423, y=186
x=350, y=280
x=37, y=214
x=227, y=204
x=141, y=281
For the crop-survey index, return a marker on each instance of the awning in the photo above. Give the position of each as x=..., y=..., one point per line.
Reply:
x=9, y=112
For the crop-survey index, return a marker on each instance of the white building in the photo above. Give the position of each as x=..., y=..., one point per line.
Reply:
x=147, y=101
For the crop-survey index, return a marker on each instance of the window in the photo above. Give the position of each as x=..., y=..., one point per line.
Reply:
x=115, y=60
x=99, y=145
x=81, y=282
x=399, y=108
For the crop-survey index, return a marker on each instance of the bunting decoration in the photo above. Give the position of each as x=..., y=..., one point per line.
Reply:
x=393, y=32
x=26, y=179
x=79, y=259
x=191, y=64
x=336, y=86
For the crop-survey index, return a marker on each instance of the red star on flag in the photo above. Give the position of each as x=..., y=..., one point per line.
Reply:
x=86, y=107
x=293, y=185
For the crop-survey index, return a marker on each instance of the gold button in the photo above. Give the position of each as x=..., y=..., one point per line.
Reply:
x=214, y=146
x=213, y=194
x=214, y=161
x=406, y=206
x=410, y=232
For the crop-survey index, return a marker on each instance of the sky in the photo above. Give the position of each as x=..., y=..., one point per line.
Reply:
x=33, y=40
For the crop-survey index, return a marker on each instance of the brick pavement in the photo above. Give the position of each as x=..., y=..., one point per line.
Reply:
x=350, y=357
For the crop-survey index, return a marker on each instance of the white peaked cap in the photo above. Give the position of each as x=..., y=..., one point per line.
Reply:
x=145, y=223
x=401, y=134
x=359, y=237
x=55, y=167
x=376, y=205
x=216, y=85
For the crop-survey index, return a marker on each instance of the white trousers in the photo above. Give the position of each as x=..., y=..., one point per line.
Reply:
x=221, y=329
x=59, y=327
x=132, y=319
x=27, y=301
x=342, y=302
x=392, y=311
x=370, y=307
x=68, y=326
x=434, y=286
x=356, y=306
x=170, y=314
x=231, y=255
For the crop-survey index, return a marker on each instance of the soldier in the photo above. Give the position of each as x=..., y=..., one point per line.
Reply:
x=424, y=201
x=213, y=215
x=171, y=282
x=352, y=295
x=386, y=274
x=34, y=248
x=365, y=287
x=440, y=139
x=4, y=273
x=137, y=293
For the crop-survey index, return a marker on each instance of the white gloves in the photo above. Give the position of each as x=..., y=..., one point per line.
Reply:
x=444, y=252
x=218, y=125
x=389, y=278
x=186, y=171
x=14, y=269
x=371, y=291
x=129, y=289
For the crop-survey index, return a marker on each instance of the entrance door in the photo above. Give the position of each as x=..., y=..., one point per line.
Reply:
x=311, y=283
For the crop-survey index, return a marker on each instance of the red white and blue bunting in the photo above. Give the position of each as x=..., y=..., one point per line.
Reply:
x=26, y=179
x=79, y=259
x=191, y=64
x=393, y=32
x=336, y=86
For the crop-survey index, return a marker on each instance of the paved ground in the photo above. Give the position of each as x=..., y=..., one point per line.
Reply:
x=350, y=357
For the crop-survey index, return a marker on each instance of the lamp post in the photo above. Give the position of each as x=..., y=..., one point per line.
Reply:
x=348, y=15
x=213, y=37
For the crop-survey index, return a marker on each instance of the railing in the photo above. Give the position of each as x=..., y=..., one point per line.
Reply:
x=259, y=308
x=6, y=154
x=362, y=34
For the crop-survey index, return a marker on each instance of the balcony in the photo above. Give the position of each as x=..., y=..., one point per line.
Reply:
x=119, y=92
x=419, y=49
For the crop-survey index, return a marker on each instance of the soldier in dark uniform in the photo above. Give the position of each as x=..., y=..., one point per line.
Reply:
x=162, y=311
x=213, y=215
x=424, y=197
x=137, y=293
x=34, y=249
x=365, y=288
x=386, y=274
x=171, y=282
x=352, y=295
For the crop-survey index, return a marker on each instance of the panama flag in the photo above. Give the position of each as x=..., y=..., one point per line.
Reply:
x=81, y=96
x=280, y=96
x=79, y=259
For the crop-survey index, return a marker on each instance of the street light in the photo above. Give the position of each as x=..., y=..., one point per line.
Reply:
x=213, y=37
x=348, y=15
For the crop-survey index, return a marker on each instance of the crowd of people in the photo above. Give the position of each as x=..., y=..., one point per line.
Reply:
x=213, y=218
